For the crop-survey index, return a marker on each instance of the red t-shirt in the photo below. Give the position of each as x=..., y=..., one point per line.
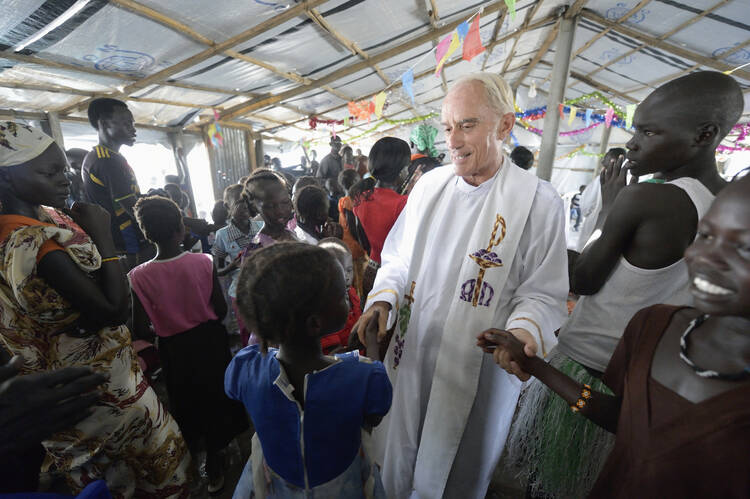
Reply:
x=377, y=215
x=341, y=338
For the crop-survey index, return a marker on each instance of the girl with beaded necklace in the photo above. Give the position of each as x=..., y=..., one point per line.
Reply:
x=680, y=375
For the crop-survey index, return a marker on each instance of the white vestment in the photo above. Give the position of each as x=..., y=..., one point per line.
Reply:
x=533, y=298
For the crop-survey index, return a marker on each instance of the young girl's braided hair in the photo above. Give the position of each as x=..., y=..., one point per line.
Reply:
x=281, y=285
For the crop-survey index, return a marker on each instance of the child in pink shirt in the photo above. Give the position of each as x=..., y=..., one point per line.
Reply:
x=179, y=294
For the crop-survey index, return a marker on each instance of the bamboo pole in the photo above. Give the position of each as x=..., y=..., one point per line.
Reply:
x=270, y=99
x=529, y=16
x=667, y=47
x=664, y=36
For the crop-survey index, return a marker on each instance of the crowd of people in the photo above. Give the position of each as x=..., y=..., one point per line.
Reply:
x=382, y=325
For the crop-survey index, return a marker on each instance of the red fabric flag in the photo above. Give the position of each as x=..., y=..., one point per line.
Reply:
x=472, y=42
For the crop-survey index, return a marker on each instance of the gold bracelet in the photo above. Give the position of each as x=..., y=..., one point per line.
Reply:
x=111, y=259
x=581, y=402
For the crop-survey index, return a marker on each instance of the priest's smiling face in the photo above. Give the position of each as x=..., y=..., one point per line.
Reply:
x=474, y=132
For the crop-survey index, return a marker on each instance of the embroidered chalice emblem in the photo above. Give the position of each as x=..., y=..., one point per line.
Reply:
x=486, y=259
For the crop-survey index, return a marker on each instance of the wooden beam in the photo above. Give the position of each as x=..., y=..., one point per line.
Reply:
x=218, y=48
x=666, y=35
x=551, y=35
x=607, y=29
x=434, y=18
x=270, y=99
x=73, y=91
x=430, y=72
x=653, y=84
x=326, y=26
x=161, y=18
x=575, y=9
x=529, y=15
x=667, y=47
x=495, y=33
x=601, y=86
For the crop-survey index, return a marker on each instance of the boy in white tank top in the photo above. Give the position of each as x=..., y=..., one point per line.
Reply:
x=632, y=261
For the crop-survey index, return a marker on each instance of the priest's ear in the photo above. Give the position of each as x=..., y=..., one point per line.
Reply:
x=505, y=125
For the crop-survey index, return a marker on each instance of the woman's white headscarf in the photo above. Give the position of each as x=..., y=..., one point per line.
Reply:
x=21, y=143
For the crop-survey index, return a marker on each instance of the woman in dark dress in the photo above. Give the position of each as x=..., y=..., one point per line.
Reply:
x=680, y=375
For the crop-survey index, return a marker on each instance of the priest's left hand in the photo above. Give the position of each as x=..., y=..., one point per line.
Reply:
x=506, y=358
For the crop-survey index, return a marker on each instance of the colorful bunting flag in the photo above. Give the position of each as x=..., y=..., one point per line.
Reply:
x=440, y=52
x=453, y=44
x=346, y=121
x=589, y=112
x=407, y=80
x=511, y=4
x=532, y=89
x=608, y=116
x=214, y=131
x=560, y=110
x=629, y=112
x=361, y=110
x=473, y=42
x=379, y=103
x=573, y=110
x=462, y=29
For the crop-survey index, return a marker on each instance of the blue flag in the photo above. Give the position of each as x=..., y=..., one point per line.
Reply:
x=588, y=116
x=407, y=80
x=463, y=30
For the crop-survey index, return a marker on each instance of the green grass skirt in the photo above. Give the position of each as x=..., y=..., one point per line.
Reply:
x=557, y=452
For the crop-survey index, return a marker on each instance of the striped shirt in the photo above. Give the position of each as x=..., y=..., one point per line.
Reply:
x=107, y=181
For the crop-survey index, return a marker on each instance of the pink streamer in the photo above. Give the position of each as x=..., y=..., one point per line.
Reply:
x=608, y=116
x=579, y=131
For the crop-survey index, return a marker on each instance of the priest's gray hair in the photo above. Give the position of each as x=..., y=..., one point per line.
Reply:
x=499, y=93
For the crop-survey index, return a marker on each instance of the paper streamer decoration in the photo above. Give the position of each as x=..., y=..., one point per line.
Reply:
x=379, y=103
x=608, y=116
x=214, y=131
x=462, y=29
x=407, y=80
x=573, y=110
x=314, y=121
x=511, y=4
x=601, y=98
x=629, y=112
x=560, y=110
x=346, y=121
x=440, y=51
x=452, y=46
x=473, y=42
x=532, y=89
x=361, y=110
x=589, y=111
x=386, y=121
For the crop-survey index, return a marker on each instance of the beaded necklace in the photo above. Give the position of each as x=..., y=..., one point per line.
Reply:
x=706, y=373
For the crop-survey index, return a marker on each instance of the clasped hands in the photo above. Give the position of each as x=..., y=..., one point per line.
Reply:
x=513, y=350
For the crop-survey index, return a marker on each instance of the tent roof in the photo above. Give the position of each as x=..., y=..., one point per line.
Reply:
x=267, y=65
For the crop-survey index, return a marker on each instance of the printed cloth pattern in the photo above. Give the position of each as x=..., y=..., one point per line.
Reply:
x=129, y=440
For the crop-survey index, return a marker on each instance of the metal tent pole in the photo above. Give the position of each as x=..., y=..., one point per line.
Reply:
x=560, y=73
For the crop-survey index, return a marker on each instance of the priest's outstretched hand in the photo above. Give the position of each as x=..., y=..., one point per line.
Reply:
x=513, y=350
x=378, y=313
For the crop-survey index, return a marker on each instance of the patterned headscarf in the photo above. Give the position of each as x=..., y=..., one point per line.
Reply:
x=21, y=143
x=424, y=138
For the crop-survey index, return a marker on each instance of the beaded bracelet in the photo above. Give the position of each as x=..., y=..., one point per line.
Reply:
x=111, y=259
x=581, y=402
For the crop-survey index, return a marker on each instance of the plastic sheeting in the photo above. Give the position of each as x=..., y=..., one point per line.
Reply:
x=104, y=37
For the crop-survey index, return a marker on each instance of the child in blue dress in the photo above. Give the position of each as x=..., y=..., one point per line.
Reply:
x=308, y=409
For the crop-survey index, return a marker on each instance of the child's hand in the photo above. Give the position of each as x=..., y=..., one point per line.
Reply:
x=516, y=356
